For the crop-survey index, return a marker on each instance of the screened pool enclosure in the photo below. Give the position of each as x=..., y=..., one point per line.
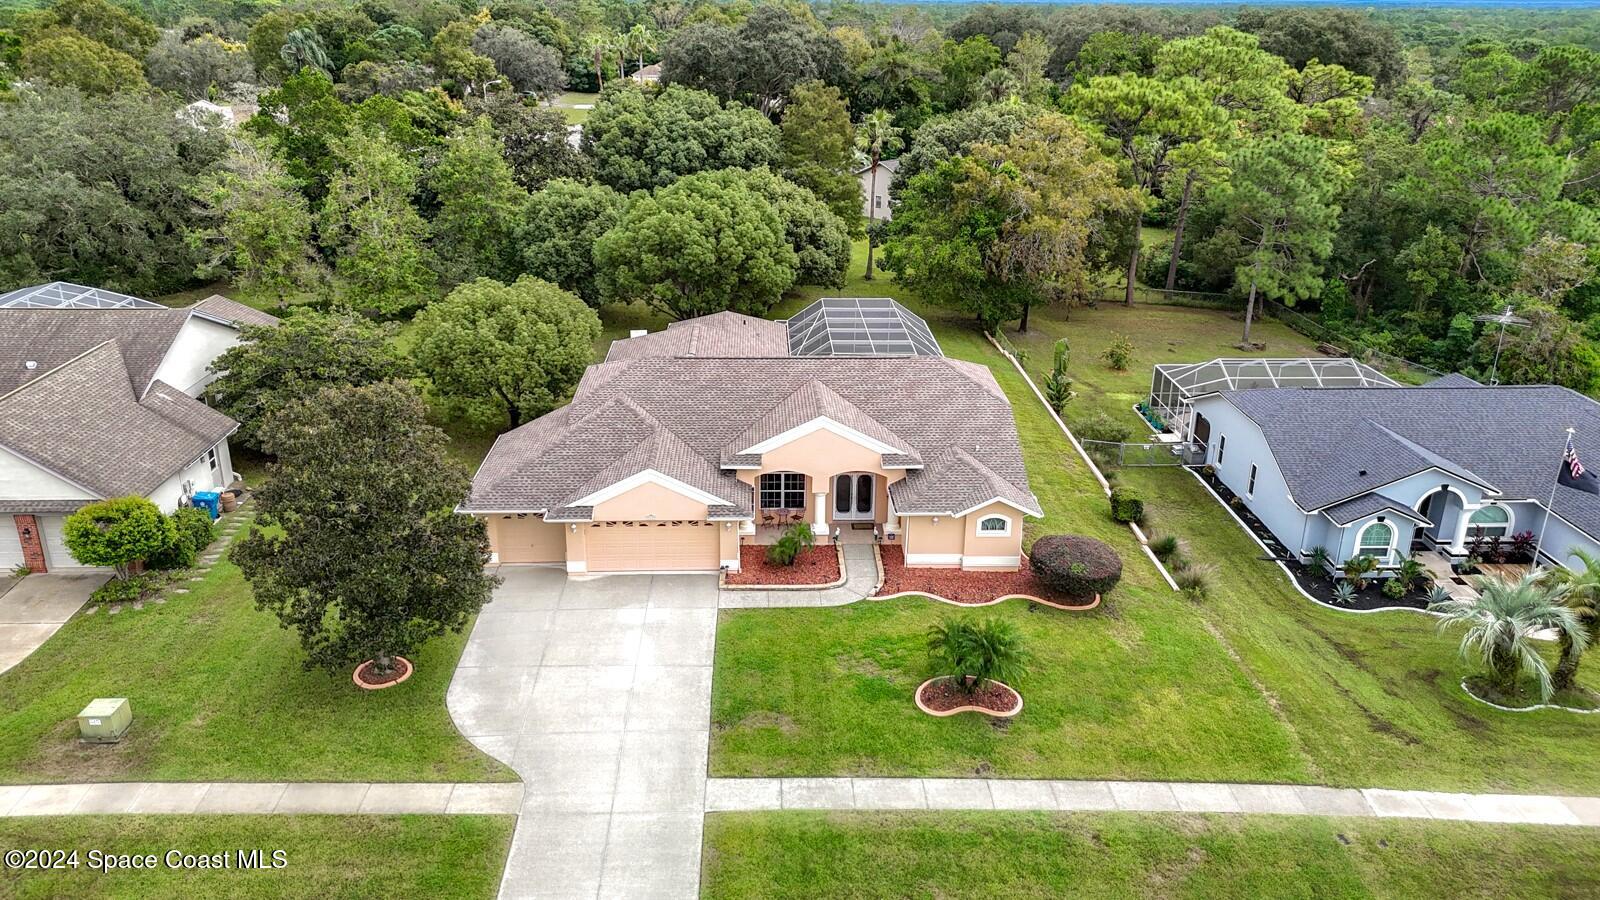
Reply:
x=1174, y=385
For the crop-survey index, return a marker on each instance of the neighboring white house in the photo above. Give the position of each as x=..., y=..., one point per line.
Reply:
x=1378, y=471
x=875, y=189
x=98, y=400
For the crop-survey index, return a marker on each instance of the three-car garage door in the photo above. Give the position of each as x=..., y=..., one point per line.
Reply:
x=653, y=547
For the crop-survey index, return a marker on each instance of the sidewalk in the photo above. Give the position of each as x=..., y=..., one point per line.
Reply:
x=748, y=794
x=180, y=797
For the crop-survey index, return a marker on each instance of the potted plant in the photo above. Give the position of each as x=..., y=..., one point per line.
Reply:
x=973, y=660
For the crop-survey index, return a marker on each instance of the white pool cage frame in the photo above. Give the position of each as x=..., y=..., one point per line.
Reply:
x=1173, y=386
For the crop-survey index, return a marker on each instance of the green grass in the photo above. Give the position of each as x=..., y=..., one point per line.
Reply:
x=1254, y=684
x=1114, y=855
x=326, y=856
x=219, y=694
x=571, y=99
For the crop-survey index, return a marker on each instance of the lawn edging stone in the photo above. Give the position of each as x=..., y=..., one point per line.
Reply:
x=957, y=710
x=1532, y=708
x=1028, y=597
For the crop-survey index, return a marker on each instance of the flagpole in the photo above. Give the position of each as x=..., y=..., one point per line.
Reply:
x=1550, y=506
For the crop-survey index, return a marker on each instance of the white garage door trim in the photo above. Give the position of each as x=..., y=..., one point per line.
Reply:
x=653, y=547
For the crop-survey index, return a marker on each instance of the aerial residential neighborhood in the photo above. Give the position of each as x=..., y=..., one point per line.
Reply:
x=799, y=450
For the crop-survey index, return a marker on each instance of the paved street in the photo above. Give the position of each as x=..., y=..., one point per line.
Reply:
x=598, y=693
x=36, y=607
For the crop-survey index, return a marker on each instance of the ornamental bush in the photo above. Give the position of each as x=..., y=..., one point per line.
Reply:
x=786, y=549
x=1126, y=505
x=118, y=533
x=1075, y=565
x=193, y=532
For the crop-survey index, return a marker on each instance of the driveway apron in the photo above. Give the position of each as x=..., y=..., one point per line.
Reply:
x=597, y=691
x=36, y=607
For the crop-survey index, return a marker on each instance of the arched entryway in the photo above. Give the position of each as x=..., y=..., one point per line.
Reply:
x=855, y=497
x=1442, y=507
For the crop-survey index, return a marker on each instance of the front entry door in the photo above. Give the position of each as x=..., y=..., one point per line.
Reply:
x=32, y=543
x=855, y=498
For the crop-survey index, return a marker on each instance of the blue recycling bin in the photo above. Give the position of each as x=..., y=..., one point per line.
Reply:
x=210, y=501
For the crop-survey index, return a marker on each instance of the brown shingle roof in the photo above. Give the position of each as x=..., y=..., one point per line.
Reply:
x=82, y=421
x=230, y=312
x=933, y=405
x=725, y=335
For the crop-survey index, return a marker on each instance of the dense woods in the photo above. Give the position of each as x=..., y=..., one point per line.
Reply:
x=1390, y=175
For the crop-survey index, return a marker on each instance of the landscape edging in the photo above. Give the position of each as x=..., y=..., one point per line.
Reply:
x=844, y=576
x=1001, y=599
x=917, y=697
x=1522, y=709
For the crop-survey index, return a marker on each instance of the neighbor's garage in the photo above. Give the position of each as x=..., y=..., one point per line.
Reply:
x=653, y=547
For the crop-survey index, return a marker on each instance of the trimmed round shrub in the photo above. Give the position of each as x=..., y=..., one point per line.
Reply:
x=1075, y=565
x=1126, y=505
x=117, y=533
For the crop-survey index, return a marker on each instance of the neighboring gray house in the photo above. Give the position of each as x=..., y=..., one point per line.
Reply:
x=1374, y=470
x=100, y=398
x=875, y=189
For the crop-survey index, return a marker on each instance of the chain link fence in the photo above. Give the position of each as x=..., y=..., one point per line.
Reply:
x=1154, y=453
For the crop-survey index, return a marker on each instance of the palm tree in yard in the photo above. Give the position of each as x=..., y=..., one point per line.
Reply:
x=875, y=137
x=1583, y=598
x=597, y=45
x=639, y=41
x=1500, y=623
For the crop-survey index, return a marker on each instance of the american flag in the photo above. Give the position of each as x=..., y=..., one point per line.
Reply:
x=1572, y=474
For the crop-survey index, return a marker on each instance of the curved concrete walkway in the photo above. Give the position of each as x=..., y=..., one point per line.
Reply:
x=597, y=691
x=861, y=582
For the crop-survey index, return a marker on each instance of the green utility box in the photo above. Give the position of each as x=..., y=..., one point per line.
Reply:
x=104, y=721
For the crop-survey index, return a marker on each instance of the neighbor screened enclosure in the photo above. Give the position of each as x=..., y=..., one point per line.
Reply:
x=1174, y=385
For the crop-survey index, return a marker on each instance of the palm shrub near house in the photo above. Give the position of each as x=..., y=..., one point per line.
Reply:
x=1357, y=568
x=786, y=549
x=1075, y=565
x=1582, y=596
x=1500, y=623
x=974, y=653
x=368, y=559
x=118, y=534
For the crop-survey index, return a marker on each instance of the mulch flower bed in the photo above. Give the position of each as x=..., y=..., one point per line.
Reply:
x=962, y=586
x=1318, y=584
x=942, y=695
x=366, y=678
x=816, y=565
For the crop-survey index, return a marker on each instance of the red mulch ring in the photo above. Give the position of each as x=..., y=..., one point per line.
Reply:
x=963, y=586
x=366, y=676
x=943, y=695
x=817, y=565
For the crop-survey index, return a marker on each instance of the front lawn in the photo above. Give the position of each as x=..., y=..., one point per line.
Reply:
x=1254, y=684
x=324, y=856
x=218, y=694
x=986, y=854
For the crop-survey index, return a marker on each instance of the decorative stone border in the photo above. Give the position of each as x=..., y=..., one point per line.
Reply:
x=356, y=676
x=1028, y=597
x=961, y=709
x=1521, y=709
x=844, y=576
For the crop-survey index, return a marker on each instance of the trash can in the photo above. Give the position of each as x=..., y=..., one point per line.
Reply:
x=210, y=501
x=105, y=720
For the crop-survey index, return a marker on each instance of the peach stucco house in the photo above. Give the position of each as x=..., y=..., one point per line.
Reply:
x=721, y=430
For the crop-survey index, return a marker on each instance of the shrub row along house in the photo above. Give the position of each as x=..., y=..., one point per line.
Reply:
x=685, y=443
x=98, y=400
x=1452, y=466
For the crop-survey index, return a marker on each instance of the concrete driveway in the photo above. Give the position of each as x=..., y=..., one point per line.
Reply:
x=35, y=607
x=597, y=691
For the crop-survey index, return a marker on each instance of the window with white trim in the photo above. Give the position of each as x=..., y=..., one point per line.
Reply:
x=783, y=490
x=1222, y=447
x=213, y=461
x=1376, y=540
x=1250, y=489
x=1490, y=522
x=994, y=526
